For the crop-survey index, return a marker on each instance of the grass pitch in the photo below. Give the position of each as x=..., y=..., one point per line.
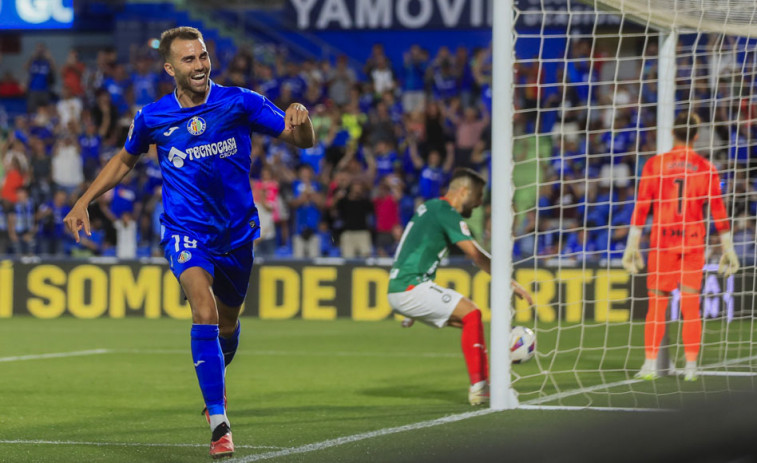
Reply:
x=125, y=391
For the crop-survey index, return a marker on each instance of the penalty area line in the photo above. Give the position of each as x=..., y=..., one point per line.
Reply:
x=358, y=437
x=124, y=444
x=53, y=355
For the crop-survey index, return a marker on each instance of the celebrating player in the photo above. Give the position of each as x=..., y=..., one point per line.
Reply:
x=437, y=224
x=202, y=131
x=677, y=184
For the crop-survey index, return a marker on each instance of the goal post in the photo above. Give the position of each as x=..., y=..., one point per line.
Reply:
x=584, y=92
x=502, y=394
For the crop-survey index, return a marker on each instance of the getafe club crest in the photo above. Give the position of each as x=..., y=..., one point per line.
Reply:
x=184, y=256
x=196, y=125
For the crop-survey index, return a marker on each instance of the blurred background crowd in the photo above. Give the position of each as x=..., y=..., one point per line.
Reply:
x=388, y=137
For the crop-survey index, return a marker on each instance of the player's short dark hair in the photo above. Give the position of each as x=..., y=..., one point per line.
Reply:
x=686, y=126
x=470, y=174
x=168, y=36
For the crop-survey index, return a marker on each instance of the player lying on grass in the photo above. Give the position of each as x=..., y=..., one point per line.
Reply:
x=436, y=225
x=677, y=184
x=202, y=131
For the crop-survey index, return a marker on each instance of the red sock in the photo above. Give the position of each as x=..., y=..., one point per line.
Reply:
x=474, y=347
x=654, y=329
x=692, y=325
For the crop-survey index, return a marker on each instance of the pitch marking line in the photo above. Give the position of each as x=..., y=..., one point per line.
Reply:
x=295, y=353
x=358, y=437
x=77, y=353
x=582, y=390
x=126, y=444
x=598, y=387
x=601, y=409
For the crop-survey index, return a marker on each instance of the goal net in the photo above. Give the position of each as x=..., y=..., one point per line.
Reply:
x=596, y=88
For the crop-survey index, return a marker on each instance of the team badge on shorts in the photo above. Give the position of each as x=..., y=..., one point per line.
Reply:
x=184, y=256
x=446, y=298
x=196, y=125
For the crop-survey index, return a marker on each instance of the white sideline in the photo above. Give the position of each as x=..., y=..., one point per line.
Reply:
x=297, y=353
x=358, y=437
x=123, y=444
x=55, y=355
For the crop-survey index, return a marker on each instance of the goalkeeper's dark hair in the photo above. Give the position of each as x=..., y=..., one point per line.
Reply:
x=168, y=36
x=468, y=175
x=686, y=126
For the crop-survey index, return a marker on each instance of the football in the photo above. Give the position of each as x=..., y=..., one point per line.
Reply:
x=522, y=344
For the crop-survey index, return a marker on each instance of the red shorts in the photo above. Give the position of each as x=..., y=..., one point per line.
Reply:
x=668, y=269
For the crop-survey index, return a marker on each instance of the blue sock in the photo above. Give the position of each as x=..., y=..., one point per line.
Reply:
x=208, y=361
x=229, y=345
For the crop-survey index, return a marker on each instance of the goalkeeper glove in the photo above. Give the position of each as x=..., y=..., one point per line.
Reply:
x=729, y=262
x=632, y=261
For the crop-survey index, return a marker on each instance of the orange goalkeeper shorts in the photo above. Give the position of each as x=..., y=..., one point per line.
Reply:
x=668, y=269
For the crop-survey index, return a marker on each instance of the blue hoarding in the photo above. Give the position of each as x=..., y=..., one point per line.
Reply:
x=36, y=14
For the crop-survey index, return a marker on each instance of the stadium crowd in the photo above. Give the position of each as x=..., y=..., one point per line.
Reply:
x=387, y=139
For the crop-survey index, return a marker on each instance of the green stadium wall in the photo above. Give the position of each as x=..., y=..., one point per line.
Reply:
x=325, y=290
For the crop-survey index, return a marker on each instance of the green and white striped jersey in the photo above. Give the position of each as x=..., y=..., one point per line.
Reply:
x=434, y=227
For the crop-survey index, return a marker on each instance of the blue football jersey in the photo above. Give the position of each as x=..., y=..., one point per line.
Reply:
x=204, y=155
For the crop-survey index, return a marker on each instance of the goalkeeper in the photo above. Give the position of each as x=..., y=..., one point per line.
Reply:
x=677, y=184
x=436, y=225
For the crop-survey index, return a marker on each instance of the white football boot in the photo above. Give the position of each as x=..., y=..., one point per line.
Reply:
x=648, y=371
x=478, y=394
x=690, y=371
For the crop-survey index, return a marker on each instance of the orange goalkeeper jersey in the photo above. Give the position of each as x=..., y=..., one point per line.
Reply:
x=678, y=184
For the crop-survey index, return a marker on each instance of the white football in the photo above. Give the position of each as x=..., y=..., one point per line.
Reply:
x=522, y=344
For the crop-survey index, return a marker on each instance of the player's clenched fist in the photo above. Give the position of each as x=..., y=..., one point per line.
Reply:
x=296, y=114
x=77, y=220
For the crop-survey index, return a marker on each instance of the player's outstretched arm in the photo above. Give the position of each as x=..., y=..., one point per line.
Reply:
x=298, y=130
x=476, y=253
x=483, y=260
x=113, y=172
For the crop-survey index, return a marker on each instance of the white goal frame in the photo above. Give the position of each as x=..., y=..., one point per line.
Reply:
x=503, y=395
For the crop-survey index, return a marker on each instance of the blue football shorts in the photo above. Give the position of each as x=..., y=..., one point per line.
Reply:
x=230, y=271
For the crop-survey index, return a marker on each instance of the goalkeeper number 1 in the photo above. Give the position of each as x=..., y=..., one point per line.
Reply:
x=676, y=185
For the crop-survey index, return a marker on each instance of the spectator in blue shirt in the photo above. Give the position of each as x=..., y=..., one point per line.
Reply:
x=578, y=247
x=433, y=174
x=41, y=68
x=145, y=82
x=314, y=156
x=742, y=144
x=415, y=63
x=117, y=85
x=268, y=85
x=51, y=228
x=581, y=72
x=90, y=143
x=294, y=81
x=386, y=159
x=306, y=205
x=445, y=85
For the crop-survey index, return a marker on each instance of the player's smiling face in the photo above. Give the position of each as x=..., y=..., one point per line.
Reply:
x=189, y=64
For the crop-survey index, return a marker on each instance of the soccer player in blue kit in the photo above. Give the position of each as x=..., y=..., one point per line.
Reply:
x=202, y=132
